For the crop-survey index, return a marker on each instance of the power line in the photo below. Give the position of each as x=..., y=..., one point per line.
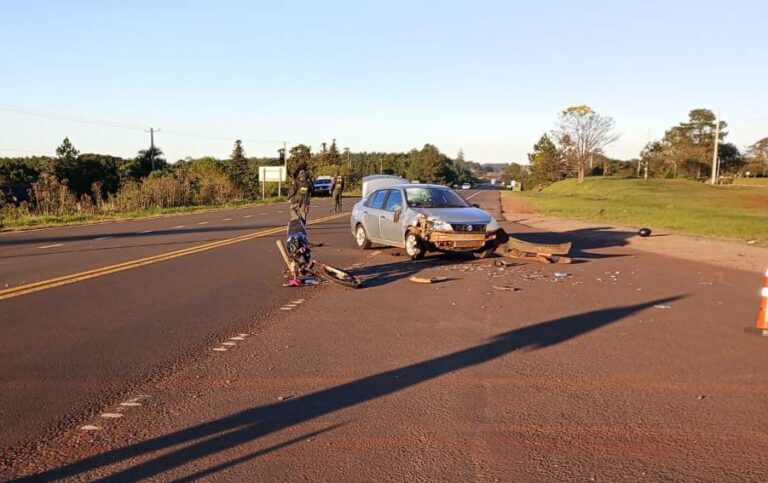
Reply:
x=120, y=125
x=68, y=117
x=12, y=150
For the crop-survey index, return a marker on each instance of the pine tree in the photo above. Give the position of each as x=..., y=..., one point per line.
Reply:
x=547, y=165
x=238, y=166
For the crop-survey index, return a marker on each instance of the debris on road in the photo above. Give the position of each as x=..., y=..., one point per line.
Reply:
x=644, y=232
x=283, y=398
x=562, y=274
x=111, y=415
x=505, y=288
x=428, y=280
x=662, y=306
x=535, y=252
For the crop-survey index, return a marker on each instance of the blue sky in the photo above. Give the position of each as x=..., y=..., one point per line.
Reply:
x=488, y=77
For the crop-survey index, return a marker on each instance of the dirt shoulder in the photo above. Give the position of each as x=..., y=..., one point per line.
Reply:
x=722, y=253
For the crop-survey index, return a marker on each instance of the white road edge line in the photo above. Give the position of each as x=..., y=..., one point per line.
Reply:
x=472, y=196
x=203, y=223
x=52, y=246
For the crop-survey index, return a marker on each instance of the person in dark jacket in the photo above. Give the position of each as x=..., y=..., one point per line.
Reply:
x=299, y=196
x=337, y=189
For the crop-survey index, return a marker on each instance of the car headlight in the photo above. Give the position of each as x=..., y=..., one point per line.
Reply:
x=441, y=225
x=492, y=226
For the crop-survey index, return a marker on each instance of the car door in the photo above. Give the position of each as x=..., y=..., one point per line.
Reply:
x=390, y=222
x=372, y=210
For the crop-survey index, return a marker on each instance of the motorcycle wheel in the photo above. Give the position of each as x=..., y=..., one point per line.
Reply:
x=334, y=275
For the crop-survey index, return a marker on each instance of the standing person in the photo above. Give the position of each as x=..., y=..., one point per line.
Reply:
x=299, y=195
x=337, y=190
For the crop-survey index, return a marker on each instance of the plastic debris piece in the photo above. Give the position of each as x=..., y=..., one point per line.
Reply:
x=428, y=280
x=505, y=288
x=662, y=306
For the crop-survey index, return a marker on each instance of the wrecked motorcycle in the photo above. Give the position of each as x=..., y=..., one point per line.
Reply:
x=297, y=254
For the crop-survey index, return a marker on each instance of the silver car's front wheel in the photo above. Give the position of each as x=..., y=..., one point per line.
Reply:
x=361, y=237
x=413, y=246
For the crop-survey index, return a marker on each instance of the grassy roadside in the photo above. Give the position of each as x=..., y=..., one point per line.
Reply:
x=48, y=221
x=733, y=212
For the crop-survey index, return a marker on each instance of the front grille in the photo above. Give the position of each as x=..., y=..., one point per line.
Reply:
x=468, y=228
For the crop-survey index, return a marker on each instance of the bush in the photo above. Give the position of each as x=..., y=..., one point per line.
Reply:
x=52, y=197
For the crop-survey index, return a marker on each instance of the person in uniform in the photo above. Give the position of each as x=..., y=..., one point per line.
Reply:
x=337, y=190
x=299, y=196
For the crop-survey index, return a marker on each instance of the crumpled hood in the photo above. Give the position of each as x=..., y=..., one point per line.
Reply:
x=470, y=215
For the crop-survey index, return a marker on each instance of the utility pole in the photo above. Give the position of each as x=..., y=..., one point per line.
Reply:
x=152, y=132
x=349, y=163
x=715, y=163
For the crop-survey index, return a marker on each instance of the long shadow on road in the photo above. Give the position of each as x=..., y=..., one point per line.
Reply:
x=213, y=437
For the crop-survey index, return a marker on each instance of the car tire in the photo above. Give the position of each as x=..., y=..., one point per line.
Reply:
x=361, y=238
x=414, y=247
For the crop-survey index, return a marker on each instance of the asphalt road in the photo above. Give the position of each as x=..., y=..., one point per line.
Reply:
x=66, y=350
x=632, y=366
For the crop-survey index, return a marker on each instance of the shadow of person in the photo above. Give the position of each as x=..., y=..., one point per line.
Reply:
x=213, y=437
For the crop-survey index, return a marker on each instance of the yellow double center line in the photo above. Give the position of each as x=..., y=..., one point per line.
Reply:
x=98, y=272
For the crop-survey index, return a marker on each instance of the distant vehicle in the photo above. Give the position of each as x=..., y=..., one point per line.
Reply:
x=322, y=186
x=15, y=194
x=422, y=218
x=466, y=186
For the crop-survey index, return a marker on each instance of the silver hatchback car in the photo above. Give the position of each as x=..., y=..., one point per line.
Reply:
x=422, y=218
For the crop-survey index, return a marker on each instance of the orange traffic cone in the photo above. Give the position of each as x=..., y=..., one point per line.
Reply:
x=761, y=326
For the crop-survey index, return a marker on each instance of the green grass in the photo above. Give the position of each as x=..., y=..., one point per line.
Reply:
x=735, y=211
x=762, y=182
x=45, y=221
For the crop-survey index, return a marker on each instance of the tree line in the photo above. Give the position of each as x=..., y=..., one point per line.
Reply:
x=575, y=149
x=72, y=183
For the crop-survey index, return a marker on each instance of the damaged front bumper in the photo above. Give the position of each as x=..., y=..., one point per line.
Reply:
x=472, y=237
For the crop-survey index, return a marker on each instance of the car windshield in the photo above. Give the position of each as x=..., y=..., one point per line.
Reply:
x=430, y=197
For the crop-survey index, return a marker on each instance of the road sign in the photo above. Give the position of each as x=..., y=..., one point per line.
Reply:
x=272, y=173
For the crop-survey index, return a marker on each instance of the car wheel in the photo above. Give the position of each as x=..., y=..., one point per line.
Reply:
x=413, y=246
x=361, y=238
